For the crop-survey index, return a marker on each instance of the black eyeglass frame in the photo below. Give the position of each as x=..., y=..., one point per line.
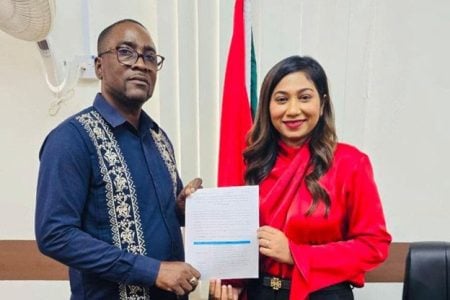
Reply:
x=159, y=58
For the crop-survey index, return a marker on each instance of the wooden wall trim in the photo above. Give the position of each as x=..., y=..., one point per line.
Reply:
x=393, y=268
x=21, y=260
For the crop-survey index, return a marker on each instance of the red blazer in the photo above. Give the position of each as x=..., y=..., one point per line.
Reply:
x=327, y=250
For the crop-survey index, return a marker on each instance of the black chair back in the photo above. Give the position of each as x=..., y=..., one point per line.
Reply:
x=427, y=273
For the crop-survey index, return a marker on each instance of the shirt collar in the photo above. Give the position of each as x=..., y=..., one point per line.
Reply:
x=115, y=119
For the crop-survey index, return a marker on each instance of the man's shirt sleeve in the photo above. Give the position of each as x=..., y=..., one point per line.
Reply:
x=63, y=187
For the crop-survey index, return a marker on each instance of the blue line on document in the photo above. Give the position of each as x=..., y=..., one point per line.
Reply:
x=222, y=242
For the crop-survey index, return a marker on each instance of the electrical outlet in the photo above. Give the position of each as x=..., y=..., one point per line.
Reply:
x=87, y=65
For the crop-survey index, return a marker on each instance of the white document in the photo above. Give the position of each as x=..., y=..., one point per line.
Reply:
x=220, y=232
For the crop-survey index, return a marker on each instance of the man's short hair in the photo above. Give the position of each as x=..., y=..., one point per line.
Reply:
x=104, y=34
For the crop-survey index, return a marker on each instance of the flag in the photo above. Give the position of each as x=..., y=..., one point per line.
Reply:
x=239, y=83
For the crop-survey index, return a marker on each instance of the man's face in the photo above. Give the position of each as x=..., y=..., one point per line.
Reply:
x=126, y=86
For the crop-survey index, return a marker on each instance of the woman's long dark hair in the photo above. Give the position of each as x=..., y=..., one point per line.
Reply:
x=262, y=140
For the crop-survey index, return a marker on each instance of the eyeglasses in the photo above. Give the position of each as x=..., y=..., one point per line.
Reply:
x=128, y=56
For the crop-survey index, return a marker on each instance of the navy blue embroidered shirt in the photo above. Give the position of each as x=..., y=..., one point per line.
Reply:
x=106, y=203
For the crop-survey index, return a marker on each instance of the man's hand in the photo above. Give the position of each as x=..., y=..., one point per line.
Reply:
x=190, y=188
x=177, y=277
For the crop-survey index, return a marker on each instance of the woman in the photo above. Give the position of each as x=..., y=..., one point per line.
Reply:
x=322, y=223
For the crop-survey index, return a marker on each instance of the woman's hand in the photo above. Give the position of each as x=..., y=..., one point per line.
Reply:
x=222, y=292
x=190, y=188
x=274, y=243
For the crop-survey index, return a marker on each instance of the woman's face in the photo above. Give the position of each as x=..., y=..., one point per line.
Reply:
x=295, y=108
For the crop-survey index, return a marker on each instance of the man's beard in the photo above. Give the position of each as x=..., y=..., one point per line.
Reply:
x=133, y=102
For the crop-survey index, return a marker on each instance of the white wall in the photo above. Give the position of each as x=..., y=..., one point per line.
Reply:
x=387, y=63
x=388, y=69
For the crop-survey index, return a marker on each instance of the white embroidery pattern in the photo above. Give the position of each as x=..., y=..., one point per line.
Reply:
x=123, y=209
x=164, y=148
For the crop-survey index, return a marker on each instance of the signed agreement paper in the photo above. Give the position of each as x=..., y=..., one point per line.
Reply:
x=220, y=232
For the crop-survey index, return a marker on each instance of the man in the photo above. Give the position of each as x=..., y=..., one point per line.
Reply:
x=110, y=202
